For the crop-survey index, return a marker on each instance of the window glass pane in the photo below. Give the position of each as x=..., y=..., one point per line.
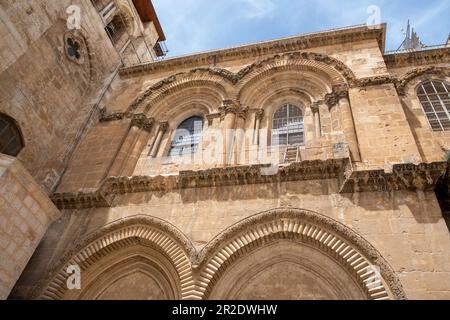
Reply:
x=287, y=126
x=187, y=137
x=437, y=111
x=439, y=86
x=428, y=87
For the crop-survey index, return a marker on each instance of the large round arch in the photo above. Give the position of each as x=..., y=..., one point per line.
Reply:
x=143, y=250
x=306, y=254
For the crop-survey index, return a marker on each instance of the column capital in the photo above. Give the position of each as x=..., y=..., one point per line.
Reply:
x=315, y=106
x=142, y=122
x=259, y=114
x=163, y=126
x=210, y=117
x=229, y=106
x=242, y=112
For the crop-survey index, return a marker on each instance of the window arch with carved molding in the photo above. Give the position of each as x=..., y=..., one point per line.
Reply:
x=11, y=141
x=288, y=126
x=435, y=99
x=187, y=137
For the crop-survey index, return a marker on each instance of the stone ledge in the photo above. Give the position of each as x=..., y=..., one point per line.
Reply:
x=402, y=177
x=407, y=176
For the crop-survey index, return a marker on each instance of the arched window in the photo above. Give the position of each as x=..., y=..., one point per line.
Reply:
x=288, y=126
x=10, y=137
x=187, y=137
x=435, y=98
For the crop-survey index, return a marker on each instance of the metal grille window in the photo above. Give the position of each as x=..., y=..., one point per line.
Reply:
x=187, y=137
x=288, y=126
x=10, y=137
x=435, y=99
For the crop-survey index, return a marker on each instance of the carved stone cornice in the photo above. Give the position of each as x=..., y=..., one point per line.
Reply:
x=115, y=116
x=416, y=58
x=334, y=97
x=139, y=120
x=402, y=177
x=297, y=43
x=373, y=81
x=142, y=122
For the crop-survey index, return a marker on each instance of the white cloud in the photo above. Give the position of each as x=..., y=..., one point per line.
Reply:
x=256, y=9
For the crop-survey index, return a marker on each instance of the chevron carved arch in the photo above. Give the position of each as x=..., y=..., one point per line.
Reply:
x=138, y=230
x=229, y=82
x=403, y=82
x=325, y=234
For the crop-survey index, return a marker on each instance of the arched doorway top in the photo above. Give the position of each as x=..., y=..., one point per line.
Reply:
x=357, y=255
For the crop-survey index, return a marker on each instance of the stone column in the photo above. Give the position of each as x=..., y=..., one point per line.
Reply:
x=259, y=114
x=228, y=114
x=340, y=97
x=163, y=126
x=317, y=125
x=127, y=155
x=239, y=149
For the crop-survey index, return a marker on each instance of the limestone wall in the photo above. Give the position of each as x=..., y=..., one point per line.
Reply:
x=49, y=95
x=25, y=214
x=407, y=228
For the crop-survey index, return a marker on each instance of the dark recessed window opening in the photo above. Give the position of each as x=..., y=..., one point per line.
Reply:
x=11, y=141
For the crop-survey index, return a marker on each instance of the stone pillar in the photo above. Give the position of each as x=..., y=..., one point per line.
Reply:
x=340, y=97
x=132, y=146
x=317, y=125
x=239, y=149
x=232, y=116
x=163, y=126
x=259, y=114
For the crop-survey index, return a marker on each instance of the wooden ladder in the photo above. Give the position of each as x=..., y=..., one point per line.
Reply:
x=292, y=154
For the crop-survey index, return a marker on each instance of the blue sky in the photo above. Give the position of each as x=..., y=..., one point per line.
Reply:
x=199, y=25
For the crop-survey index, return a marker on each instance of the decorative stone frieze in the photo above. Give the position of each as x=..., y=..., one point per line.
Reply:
x=422, y=57
x=402, y=177
x=333, y=98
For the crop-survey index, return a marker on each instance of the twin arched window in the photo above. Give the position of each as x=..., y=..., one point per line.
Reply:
x=11, y=141
x=435, y=99
x=187, y=137
x=288, y=126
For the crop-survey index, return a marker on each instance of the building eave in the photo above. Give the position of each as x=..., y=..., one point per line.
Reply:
x=147, y=13
x=289, y=44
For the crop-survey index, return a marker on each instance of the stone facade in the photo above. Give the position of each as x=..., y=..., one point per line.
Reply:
x=25, y=214
x=350, y=214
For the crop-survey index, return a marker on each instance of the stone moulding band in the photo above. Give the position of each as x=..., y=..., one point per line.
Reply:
x=199, y=271
x=402, y=177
